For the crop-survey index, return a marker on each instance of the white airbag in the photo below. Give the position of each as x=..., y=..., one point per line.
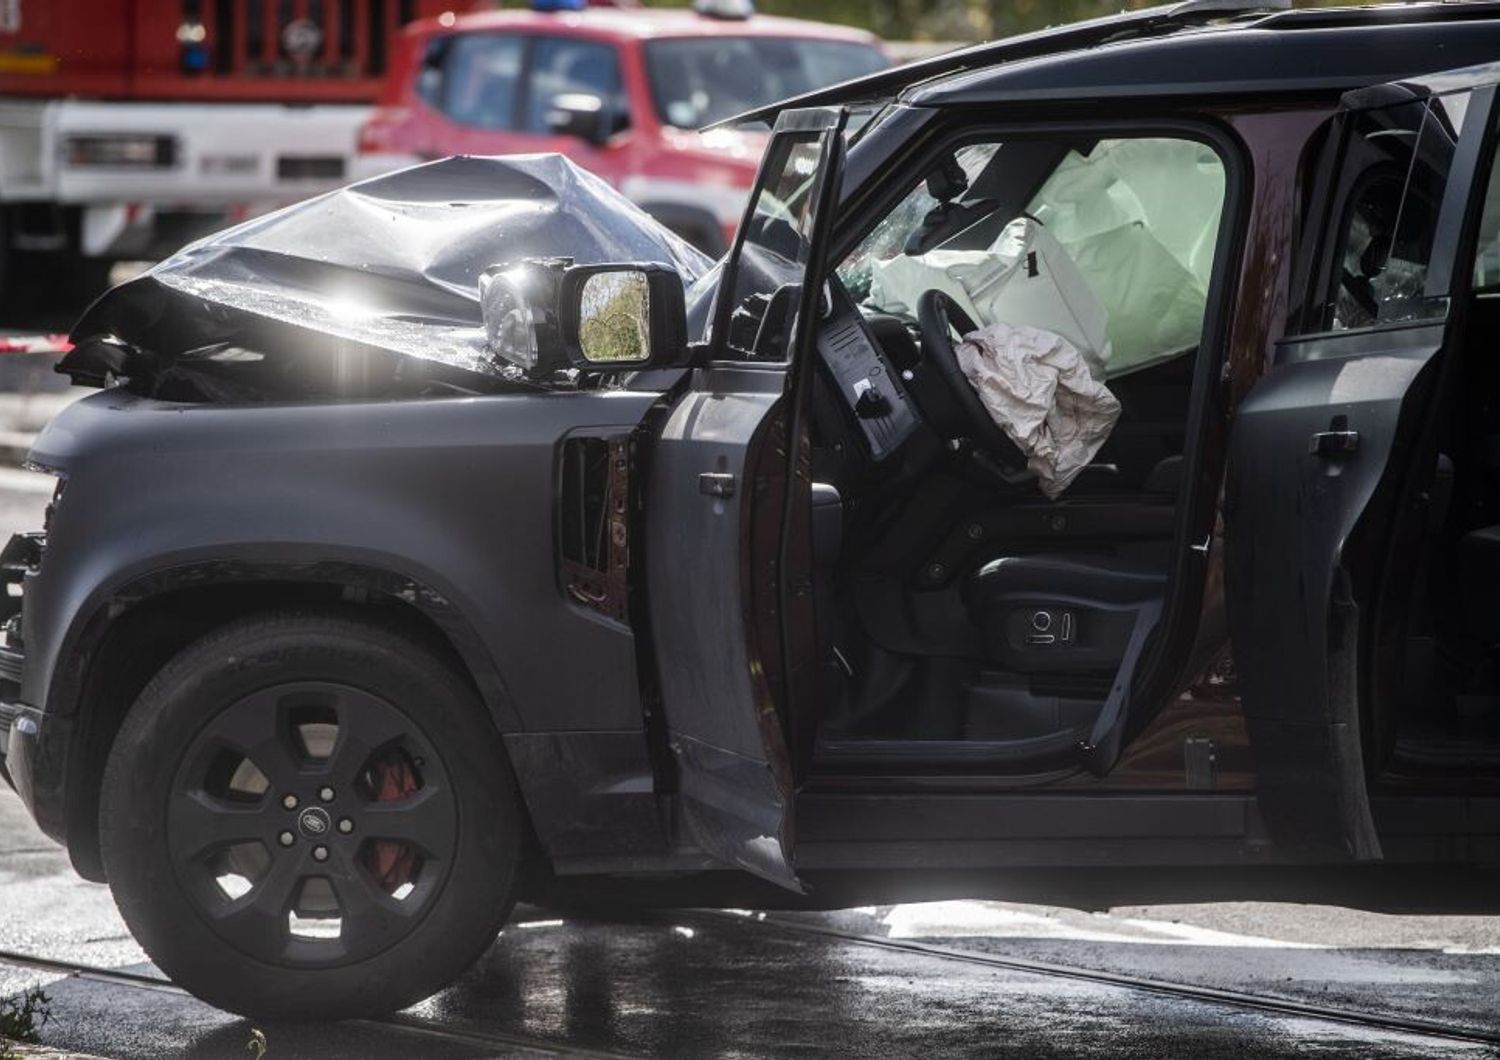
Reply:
x=1026, y=278
x=1037, y=387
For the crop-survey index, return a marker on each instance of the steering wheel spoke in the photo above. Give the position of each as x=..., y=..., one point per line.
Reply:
x=938, y=315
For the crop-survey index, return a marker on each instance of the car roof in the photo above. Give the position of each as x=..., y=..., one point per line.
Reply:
x=1286, y=54
x=640, y=24
x=1193, y=49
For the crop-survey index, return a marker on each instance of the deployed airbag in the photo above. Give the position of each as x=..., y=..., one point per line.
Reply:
x=1025, y=279
x=371, y=288
x=1037, y=387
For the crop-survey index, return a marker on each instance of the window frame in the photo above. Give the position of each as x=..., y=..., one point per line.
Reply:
x=1330, y=216
x=823, y=123
x=883, y=168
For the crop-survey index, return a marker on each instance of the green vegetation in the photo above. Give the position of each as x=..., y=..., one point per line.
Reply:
x=613, y=326
x=21, y=1020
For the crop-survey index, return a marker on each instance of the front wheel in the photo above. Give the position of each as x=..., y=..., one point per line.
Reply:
x=309, y=816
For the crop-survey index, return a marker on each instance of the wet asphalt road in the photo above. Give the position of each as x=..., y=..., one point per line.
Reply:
x=741, y=984
x=751, y=984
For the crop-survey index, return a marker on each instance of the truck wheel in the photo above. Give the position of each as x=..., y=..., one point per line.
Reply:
x=308, y=816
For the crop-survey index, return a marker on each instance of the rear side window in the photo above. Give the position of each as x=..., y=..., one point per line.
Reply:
x=479, y=79
x=1395, y=172
x=562, y=66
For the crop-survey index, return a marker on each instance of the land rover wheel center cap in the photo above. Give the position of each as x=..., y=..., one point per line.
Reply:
x=314, y=823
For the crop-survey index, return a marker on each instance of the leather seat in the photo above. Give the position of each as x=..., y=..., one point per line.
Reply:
x=1059, y=613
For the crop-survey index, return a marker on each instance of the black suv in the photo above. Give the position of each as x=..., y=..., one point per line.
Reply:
x=463, y=532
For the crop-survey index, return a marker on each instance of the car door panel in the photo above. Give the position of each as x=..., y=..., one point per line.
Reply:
x=714, y=504
x=725, y=734
x=1292, y=615
x=1317, y=461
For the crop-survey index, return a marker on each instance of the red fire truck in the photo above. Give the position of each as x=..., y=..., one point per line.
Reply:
x=128, y=127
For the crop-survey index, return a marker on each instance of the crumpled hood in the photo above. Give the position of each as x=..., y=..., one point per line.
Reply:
x=368, y=288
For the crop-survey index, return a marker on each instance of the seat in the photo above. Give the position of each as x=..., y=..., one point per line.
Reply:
x=1058, y=613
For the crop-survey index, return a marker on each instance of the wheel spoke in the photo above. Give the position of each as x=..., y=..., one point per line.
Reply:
x=365, y=727
x=424, y=819
x=370, y=918
x=254, y=727
x=257, y=923
x=199, y=822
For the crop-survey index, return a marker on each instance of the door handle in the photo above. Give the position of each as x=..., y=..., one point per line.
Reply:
x=716, y=484
x=1334, y=443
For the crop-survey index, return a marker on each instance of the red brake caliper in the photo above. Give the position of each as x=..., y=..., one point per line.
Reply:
x=392, y=862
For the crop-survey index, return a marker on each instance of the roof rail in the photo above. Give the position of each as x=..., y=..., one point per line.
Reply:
x=1053, y=39
x=1227, y=7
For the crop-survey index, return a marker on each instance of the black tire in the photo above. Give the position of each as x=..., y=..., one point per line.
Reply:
x=402, y=721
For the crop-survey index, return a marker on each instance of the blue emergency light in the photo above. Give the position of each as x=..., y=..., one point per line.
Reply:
x=558, y=5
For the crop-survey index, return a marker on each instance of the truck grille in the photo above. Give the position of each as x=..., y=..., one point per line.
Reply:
x=345, y=39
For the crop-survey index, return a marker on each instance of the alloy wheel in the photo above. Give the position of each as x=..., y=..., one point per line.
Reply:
x=311, y=823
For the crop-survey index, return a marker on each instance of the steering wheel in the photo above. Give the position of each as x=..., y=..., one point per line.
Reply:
x=937, y=316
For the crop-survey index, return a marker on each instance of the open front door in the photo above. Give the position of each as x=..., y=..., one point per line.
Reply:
x=708, y=497
x=1323, y=447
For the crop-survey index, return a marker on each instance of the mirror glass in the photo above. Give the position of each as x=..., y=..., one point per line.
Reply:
x=614, y=317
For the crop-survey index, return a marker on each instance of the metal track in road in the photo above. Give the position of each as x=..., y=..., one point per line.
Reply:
x=412, y=1025
x=431, y=1031
x=1186, y=991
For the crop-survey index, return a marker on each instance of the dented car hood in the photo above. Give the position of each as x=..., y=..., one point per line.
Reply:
x=371, y=290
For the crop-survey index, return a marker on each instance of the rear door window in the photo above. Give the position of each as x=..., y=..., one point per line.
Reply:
x=1395, y=167
x=481, y=72
x=568, y=66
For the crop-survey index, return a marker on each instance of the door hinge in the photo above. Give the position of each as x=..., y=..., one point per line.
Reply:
x=716, y=484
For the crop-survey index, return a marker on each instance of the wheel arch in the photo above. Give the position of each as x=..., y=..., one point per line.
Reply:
x=130, y=631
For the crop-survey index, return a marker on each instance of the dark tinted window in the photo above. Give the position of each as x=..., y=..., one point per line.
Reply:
x=1396, y=169
x=1487, y=257
x=560, y=66
x=479, y=78
x=696, y=81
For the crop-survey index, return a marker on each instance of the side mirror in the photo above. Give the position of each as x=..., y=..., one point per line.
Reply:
x=579, y=114
x=623, y=316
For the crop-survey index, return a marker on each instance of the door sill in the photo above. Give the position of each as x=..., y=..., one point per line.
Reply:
x=1059, y=750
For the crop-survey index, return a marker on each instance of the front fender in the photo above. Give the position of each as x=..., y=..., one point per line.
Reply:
x=454, y=496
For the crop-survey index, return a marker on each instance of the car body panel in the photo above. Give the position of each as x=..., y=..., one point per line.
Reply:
x=451, y=501
x=1315, y=451
x=712, y=501
x=367, y=291
x=1461, y=32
